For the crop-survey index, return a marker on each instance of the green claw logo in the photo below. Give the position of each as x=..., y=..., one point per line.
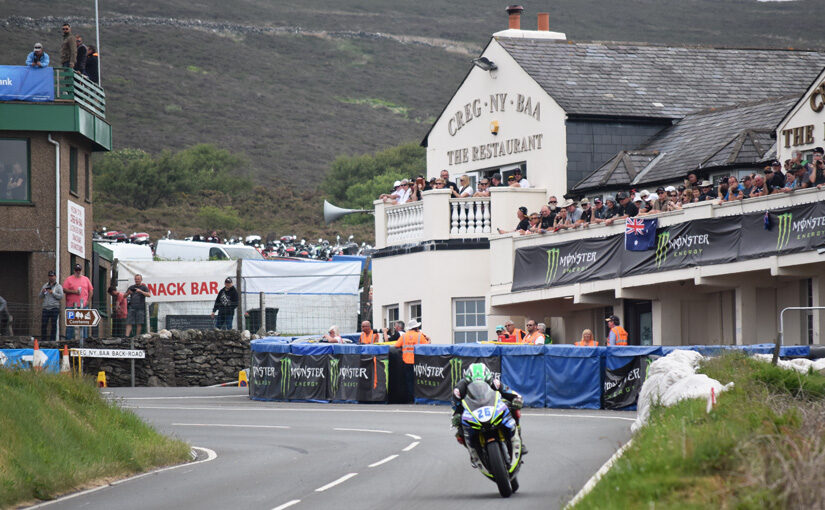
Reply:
x=552, y=264
x=456, y=372
x=334, y=372
x=386, y=364
x=784, y=230
x=286, y=373
x=662, y=241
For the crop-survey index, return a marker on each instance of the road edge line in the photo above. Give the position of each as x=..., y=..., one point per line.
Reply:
x=210, y=455
x=598, y=475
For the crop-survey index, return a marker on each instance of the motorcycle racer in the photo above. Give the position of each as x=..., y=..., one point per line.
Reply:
x=480, y=372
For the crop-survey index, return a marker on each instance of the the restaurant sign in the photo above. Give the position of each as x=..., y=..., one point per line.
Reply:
x=694, y=243
x=807, y=134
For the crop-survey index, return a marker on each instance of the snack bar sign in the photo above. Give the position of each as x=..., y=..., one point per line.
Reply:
x=76, y=229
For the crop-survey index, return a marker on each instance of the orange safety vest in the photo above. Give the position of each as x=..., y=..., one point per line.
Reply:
x=407, y=343
x=518, y=334
x=621, y=335
x=531, y=339
x=591, y=343
x=370, y=338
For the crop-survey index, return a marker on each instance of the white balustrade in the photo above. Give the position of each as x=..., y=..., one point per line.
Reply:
x=405, y=223
x=469, y=216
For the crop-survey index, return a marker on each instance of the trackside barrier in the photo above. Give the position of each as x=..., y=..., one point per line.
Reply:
x=22, y=358
x=555, y=376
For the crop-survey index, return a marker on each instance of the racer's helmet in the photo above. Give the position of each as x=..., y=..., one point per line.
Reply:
x=477, y=372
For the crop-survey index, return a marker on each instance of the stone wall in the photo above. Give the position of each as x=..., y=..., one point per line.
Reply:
x=173, y=358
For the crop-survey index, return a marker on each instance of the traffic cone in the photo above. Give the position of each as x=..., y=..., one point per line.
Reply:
x=65, y=366
x=38, y=358
x=101, y=379
x=243, y=382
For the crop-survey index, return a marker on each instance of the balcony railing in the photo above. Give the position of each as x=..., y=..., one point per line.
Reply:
x=470, y=216
x=72, y=86
x=405, y=223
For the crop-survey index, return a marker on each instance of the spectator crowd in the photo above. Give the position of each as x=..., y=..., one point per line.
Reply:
x=409, y=190
x=74, y=54
x=775, y=178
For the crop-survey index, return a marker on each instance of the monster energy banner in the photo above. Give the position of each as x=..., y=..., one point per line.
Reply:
x=436, y=376
x=358, y=377
x=266, y=380
x=622, y=385
x=695, y=243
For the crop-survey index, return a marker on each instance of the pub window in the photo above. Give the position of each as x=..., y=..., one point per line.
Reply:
x=15, y=170
x=87, y=178
x=414, y=311
x=469, y=320
x=73, y=170
x=391, y=315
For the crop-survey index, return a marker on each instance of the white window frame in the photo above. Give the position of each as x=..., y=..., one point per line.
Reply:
x=410, y=315
x=469, y=329
x=389, y=321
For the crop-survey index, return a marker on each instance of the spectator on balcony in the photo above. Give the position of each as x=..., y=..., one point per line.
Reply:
x=68, y=50
x=692, y=181
x=758, y=189
x=561, y=221
x=626, y=208
x=587, y=212
x=547, y=217
x=640, y=204
x=802, y=175
x=522, y=181
x=37, y=58
x=464, y=190
x=818, y=175
x=523, y=222
x=445, y=176
x=416, y=187
x=535, y=225
x=439, y=183
x=483, y=188
x=496, y=180
x=91, y=65
x=706, y=191
x=735, y=191
x=82, y=54
x=747, y=185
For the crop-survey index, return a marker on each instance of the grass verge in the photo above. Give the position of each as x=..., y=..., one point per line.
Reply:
x=58, y=435
x=762, y=447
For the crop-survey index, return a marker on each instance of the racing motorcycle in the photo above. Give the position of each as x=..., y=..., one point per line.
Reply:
x=490, y=429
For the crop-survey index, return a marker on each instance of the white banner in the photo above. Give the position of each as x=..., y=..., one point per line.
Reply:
x=178, y=281
x=76, y=229
x=107, y=353
x=301, y=278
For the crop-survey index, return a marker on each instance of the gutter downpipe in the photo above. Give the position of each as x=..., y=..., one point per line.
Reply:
x=56, y=205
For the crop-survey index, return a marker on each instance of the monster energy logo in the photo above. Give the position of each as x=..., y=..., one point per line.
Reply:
x=552, y=264
x=661, y=248
x=286, y=373
x=456, y=372
x=386, y=364
x=333, y=374
x=784, y=232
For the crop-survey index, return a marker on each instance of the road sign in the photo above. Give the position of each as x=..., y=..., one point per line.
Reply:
x=108, y=353
x=82, y=317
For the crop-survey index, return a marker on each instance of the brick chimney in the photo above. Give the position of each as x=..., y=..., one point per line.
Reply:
x=544, y=21
x=515, y=16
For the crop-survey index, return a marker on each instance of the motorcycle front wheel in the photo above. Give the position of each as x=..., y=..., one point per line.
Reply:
x=498, y=468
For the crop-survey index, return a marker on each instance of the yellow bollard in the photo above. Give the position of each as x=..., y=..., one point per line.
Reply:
x=243, y=382
x=101, y=379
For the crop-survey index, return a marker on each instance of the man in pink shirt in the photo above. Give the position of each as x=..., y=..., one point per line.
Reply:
x=78, y=291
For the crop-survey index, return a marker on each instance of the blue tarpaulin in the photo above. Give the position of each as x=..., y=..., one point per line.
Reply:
x=476, y=350
x=311, y=349
x=522, y=369
x=434, y=350
x=15, y=359
x=573, y=376
x=21, y=83
x=270, y=344
x=617, y=357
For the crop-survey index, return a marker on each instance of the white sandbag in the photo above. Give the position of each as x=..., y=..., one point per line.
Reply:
x=801, y=365
x=3, y=359
x=693, y=386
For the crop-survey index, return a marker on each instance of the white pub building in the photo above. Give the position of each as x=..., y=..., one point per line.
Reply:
x=590, y=119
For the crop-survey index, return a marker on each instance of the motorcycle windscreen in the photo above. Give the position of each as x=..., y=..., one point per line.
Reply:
x=479, y=394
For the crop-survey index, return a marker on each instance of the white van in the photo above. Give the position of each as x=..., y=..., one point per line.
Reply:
x=172, y=249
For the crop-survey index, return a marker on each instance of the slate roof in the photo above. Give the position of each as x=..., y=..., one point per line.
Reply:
x=644, y=80
x=731, y=136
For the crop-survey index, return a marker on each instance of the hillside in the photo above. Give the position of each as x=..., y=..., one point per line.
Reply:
x=293, y=85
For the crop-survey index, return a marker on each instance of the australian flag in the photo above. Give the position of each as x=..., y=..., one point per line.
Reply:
x=640, y=234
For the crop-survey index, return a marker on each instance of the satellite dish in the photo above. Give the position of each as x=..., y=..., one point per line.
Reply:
x=333, y=213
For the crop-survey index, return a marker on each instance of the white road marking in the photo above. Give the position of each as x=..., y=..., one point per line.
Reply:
x=413, y=436
x=598, y=475
x=411, y=446
x=230, y=425
x=383, y=461
x=336, y=482
x=364, y=430
x=594, y=416
x=289, y=409
x=287, y=504
x=210, y=455
x=184, y=398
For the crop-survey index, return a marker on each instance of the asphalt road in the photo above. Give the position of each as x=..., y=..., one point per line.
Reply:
x=276, y=455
